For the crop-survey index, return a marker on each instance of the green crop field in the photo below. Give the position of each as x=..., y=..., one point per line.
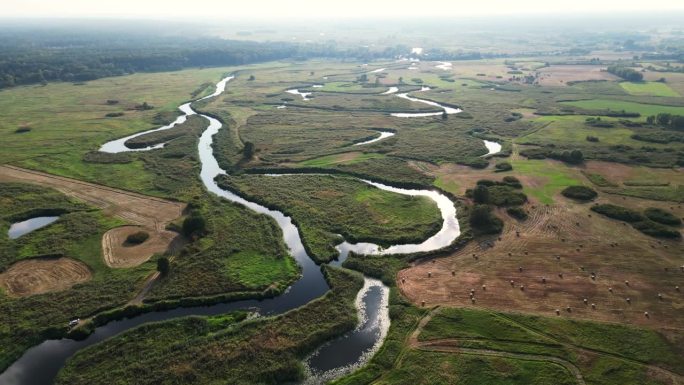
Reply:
x=649, y=88
x=553, y=176
x=618, y=105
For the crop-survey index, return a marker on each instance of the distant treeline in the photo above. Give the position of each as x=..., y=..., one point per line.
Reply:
x=35, y=59
x=626, y=73
x=31, y=58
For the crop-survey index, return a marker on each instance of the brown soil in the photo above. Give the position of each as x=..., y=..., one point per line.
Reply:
x=37, y=276
x=151, y=214
x=561, y=239
x=117, y=254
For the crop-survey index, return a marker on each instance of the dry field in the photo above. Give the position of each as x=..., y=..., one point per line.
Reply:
x=151, y=214
x=119, y=255
x=42, y=275
x=562, y=255
x=560, y=75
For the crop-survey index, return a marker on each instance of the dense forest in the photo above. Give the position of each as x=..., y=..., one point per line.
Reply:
x=40, y=58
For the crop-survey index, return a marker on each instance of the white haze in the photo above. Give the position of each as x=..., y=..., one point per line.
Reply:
x=320, y=9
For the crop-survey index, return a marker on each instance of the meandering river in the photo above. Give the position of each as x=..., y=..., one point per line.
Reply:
x=40, y=364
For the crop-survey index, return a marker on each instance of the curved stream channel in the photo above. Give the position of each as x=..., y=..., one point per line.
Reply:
x=41, y=363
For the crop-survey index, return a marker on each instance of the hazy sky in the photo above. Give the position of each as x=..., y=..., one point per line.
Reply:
x=318, y=8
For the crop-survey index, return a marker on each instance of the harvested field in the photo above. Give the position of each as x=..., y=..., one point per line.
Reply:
x=593, y=254
x=119, y=255
x=37, y=276
x=560, y=75
x=152, y=214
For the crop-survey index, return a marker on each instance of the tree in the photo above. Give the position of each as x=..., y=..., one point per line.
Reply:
x=363, y=78
x=251, y=78
x=481, y=194
x=483, y=222
x=444, y=115
x=650, y=120
x=576, y=156
x=194, y=225
x=663, y=119
x=677, y=122
x=163, y=266
x=626, y=73
x=248, y=150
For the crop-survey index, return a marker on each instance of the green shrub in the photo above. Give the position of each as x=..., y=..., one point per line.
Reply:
x=137, y=238
x=662, y=216
x=582, y=193
x=503, y=195
x=194, y=225
x=512, y=181
x=656, y=229
x=163, y=266
x=618, y=212
x=486, y=182
x=503, y=166
x=637, y=221
x=22, y=130
x=481, y=194
x=476, y=162
x=517, y=213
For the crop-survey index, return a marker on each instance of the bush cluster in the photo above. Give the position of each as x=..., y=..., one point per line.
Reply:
x=582, y=193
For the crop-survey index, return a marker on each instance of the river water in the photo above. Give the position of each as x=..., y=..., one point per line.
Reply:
x=18, y=229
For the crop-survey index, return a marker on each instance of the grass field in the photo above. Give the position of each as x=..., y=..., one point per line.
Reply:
x=67, y=121
x=325, y=206
x=243, y=253
x=543, y=179
x=649, y=88
x=618, y=105
x=420, y=367
x=572, y=129
x=567, y=340
x=345, y=158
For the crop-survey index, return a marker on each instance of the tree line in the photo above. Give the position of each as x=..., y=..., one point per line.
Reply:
x=671, y=121
x=626, y=73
